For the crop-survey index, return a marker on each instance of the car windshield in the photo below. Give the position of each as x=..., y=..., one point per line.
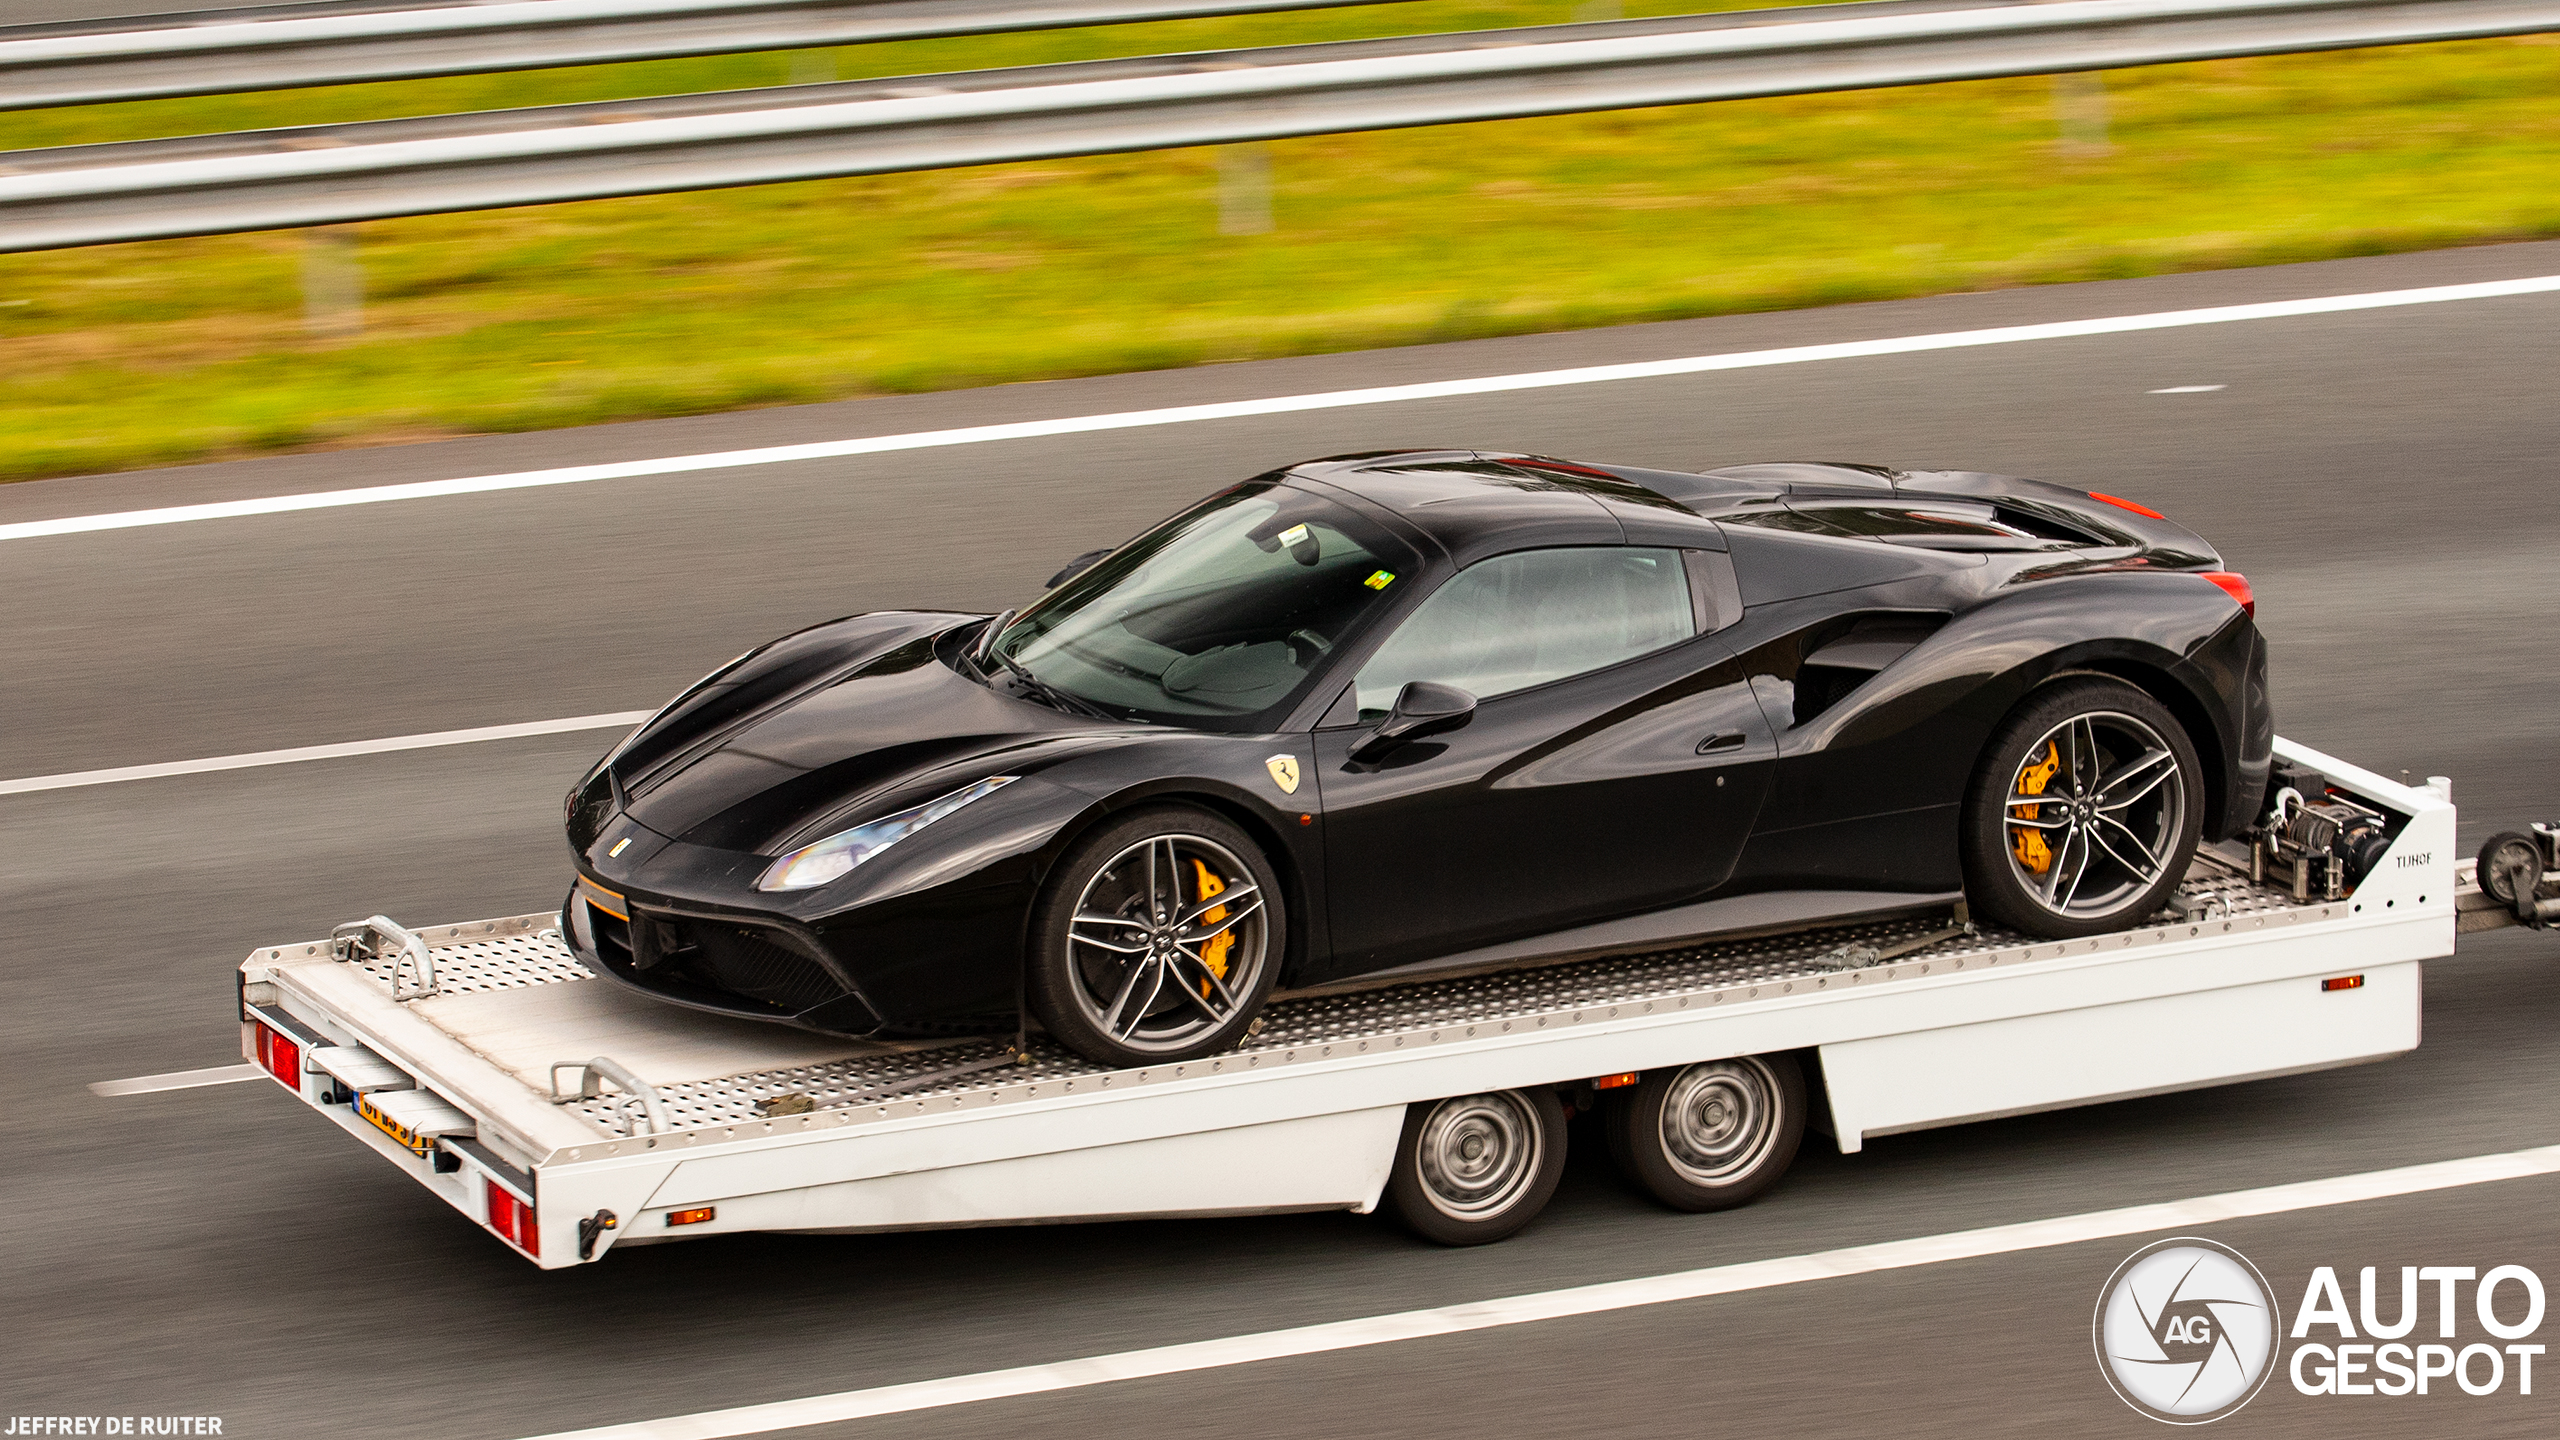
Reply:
x=1217, y=617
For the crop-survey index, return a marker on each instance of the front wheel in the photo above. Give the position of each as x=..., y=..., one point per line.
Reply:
x=1475, y=1169
x=1157, y=939
x=2083, y=813
x=1710, y=1136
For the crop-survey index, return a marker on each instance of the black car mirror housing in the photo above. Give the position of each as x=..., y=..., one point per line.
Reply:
x=1423, y=707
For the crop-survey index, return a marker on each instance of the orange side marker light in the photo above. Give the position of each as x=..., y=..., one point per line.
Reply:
x=2343, y=982
x=1619, y=1081
x=694, y=1216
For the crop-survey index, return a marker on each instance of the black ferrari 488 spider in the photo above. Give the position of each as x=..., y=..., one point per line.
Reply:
x=1392, y=715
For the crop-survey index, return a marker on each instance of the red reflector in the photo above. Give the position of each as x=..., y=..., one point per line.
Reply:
x=2121, y=503
x=1617, y=1082
x=513, y=1219
x=282, y=1057
x=2237, y=587
x=694, y=1216
x=2344, y=982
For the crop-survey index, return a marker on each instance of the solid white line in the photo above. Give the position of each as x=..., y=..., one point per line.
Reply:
x=619, y=719
x=1286, y=404
x=2185, y=390
x=1582, y=1300
x=178, y=1080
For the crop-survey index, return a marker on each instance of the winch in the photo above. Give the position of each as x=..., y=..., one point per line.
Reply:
x=2328, y=843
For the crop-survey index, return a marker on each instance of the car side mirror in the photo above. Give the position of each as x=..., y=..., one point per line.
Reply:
x=1077, y=566
x=1423, y=707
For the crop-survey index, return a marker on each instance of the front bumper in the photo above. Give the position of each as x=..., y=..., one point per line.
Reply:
x=729, y=964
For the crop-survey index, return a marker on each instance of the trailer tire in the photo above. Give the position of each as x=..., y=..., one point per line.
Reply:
x=1473, y=1169
x=1710, y=1136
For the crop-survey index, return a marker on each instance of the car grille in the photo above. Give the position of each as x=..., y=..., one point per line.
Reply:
x=743, y=962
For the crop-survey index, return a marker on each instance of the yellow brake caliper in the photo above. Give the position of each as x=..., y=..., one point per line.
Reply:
x=1214, y=952
x=2029, y=844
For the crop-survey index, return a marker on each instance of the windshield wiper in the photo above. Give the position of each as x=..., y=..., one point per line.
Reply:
x=1066, y=700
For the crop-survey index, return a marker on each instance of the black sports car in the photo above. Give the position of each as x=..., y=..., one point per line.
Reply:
x=1393, y=714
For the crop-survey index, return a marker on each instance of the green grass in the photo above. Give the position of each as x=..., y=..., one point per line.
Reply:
x=185, y=350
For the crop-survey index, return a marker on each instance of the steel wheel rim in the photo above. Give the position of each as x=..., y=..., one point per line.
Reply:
x=1719, y=1120
x=2101, y=799
x=1477, y=1154
x=1143, y=943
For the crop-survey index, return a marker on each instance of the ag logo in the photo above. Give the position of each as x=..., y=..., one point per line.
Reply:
x=2186, y=1331
x=1284, y=772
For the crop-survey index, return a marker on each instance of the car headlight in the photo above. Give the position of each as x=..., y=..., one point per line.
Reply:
x=834, y=857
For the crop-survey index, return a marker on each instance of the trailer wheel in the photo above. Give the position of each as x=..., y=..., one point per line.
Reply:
x=1710, y=1136
x=1476, y=1168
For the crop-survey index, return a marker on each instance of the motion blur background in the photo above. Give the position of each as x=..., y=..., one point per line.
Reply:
x=186, y=350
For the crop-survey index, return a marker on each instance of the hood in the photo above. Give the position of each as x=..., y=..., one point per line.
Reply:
x=816, y=728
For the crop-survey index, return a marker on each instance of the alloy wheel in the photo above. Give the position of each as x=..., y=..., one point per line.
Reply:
x=1166, y=939
x=2093, y=814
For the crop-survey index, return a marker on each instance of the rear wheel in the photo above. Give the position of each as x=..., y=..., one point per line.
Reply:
x=1710, y=1136
x=2083, y=813
x=1476, y=1168
x=1157, y=939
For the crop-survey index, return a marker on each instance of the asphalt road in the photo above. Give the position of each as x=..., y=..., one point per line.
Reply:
x=2379, y=476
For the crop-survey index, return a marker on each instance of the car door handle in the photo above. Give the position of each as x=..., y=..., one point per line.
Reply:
x=1723, y=740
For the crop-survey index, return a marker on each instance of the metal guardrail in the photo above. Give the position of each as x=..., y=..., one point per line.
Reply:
x=330, y=174
x=281, y=47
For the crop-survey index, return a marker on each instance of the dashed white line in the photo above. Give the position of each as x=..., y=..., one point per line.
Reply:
x=2186, y=389
x=620, y=719
x=1287, y=404
x=178, y=1080
x=1581, y=1300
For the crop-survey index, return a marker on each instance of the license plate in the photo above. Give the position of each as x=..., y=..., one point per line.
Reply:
x=410, y=1140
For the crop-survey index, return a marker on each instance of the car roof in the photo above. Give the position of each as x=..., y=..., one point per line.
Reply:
x=1476, y=503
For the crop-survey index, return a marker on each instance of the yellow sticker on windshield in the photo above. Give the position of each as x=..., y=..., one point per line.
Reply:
x=1380, y=581
x=1294, y=535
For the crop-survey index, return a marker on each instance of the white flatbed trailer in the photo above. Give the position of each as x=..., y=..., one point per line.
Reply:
x=664, y=1122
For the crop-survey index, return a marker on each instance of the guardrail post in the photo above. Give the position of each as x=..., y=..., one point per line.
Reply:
x=2080, y=113
x=332, y=283
x=1244, y=188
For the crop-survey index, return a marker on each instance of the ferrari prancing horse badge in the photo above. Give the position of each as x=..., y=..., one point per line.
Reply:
x=1284, y=772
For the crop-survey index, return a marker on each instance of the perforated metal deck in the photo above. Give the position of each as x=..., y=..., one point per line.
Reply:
x=526, y=951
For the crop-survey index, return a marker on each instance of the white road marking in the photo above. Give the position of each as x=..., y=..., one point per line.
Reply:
x=179, y=1080
x=1287, y=404
x=620, y=719
x=1582, y=1300
x=2186, y=389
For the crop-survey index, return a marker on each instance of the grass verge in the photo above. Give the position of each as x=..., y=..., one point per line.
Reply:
x=177, y=351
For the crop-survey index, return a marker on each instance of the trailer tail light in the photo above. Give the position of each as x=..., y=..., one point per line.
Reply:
x=513, y=1219
x=2237, y=587
x=2343, y=982
x=2121, y=503
x=694, y=1216
x=281, y=1057
x=1617, y=1082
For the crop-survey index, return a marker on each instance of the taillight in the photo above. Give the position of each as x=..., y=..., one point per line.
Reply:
x=513, y=1219
x=282, y=1057
x=2121, y=503
x=2237, y=587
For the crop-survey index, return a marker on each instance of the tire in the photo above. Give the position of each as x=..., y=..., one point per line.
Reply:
x=2510, y=864
x=2127, y=831
x=1119, y=988
x=1474, y=1169
x=1710, y=1136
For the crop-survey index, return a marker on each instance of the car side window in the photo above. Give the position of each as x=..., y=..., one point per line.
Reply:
x=1533, y=616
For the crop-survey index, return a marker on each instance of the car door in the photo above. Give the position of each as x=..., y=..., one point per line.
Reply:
x=1614, y=763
